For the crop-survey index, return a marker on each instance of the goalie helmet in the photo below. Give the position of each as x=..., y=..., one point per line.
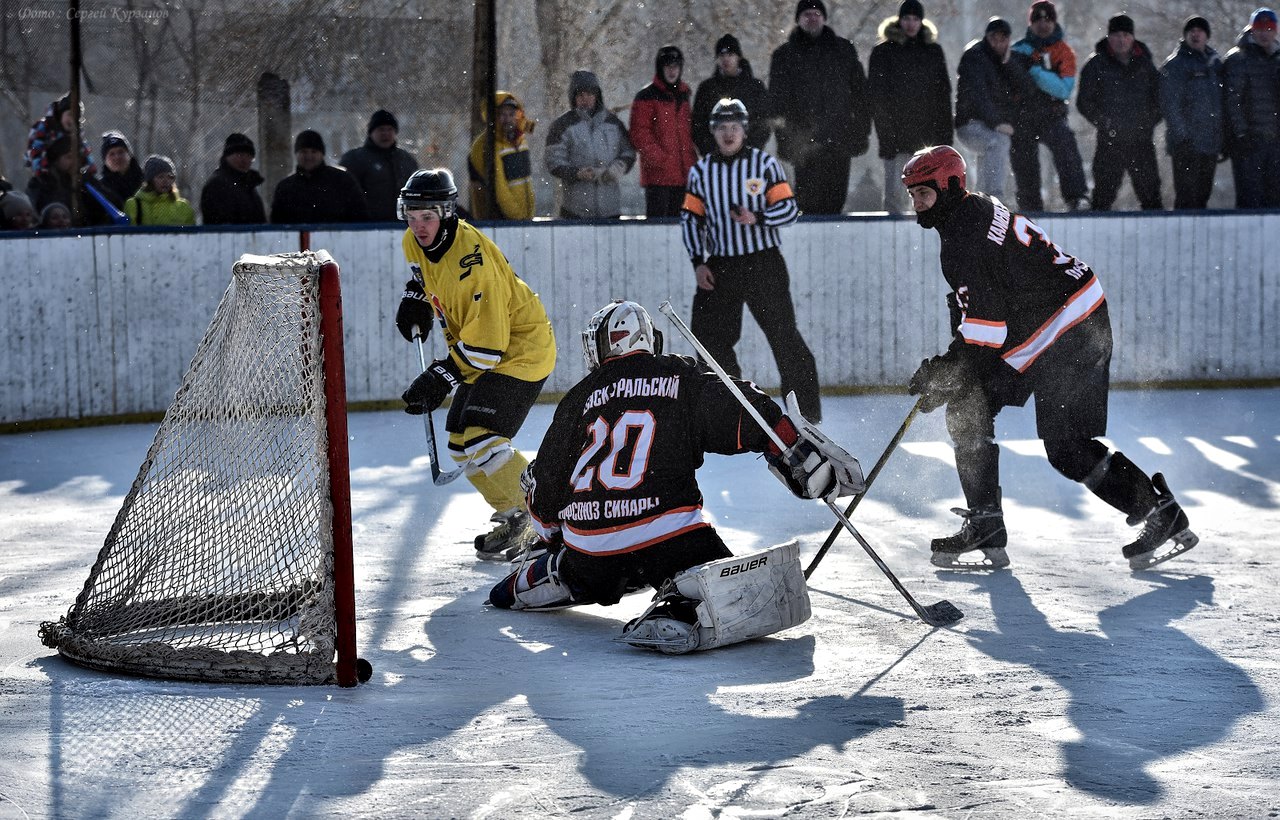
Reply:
x=935, y=166
x=432, y=189
x=619, y=328
x=728, y=110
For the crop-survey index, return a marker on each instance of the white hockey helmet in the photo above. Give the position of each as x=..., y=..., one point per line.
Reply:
x=619, y=328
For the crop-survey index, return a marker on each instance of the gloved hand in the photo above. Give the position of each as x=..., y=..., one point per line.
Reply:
x=414, y=311
x=528, y=484
x=805, y=471
x=937, y=381
x=429, y=390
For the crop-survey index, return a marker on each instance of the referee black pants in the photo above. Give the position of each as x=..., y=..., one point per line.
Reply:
x=761, y=282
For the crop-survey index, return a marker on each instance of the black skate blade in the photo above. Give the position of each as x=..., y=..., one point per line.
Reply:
x=1182, y=542
x=943, y=613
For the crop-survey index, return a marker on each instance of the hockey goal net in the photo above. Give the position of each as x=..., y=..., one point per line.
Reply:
x=230, y=558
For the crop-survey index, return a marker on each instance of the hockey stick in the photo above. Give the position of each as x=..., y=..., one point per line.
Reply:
x=943, y=613
x=437, y=477
x=875, y=471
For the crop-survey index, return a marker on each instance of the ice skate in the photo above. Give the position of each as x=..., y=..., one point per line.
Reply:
x=1165, y=531
x=512, y=536
x=983, y=529
x=661, y=629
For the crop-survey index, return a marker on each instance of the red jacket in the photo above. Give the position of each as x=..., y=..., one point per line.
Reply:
x=661, y=131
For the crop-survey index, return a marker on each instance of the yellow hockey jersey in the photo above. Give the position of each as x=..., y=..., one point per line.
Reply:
x=492, y=320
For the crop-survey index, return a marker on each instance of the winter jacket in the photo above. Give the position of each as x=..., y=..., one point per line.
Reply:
x=988, y=89
x=818, y=91
x=1122, y=100
x=152, y=208
x=743, y=87
x=55, y=186
x=910, y=90
x=661, y=131
x=1191, y=100
x=512, y=166
x=589, y=139
x=231, y=197
x=1051, y=63
x=1252, y=95
x=122, y=185
x=43, y=133
x=381, y=174
x=325, y=195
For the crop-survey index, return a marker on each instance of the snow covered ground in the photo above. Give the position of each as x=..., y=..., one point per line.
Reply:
x=1071, y=688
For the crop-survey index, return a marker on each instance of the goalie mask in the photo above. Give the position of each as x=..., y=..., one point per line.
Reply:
x=428, y=190
x=617, y=329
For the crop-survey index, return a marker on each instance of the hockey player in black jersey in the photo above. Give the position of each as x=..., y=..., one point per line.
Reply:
x=1027, y=319
x=613, y=492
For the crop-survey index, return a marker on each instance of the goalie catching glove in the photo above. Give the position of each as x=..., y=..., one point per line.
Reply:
x=812, y=466
x=414, y=313
x=429, y=390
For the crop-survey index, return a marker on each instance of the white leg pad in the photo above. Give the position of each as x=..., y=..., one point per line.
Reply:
x=747, y=596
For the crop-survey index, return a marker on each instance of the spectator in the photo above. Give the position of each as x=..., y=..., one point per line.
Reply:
x=58, y=121
x=989, y=82
x=380, y=166
x=910, y=92
x=588, y=150
x=158, y=201
x=1191, y=101
x=1042, y=113
x=121, y=174
x=60, y=176
x=16, y=212
x=316, y=193
x=1120, y=95
x=55, y=216
x=818, y=98
x=661, y=132
x=1252, y=92
x=511, y=163
x=733, y=79
x=230, y=197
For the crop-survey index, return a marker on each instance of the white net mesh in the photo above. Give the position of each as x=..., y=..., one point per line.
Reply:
x=219, y=565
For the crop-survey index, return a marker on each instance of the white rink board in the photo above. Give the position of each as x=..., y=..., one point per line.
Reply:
x=105, y=324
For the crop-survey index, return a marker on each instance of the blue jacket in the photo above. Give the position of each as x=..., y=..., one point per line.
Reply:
x=1191, y=100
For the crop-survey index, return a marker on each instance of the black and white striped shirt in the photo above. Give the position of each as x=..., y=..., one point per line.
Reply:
x=751, y=179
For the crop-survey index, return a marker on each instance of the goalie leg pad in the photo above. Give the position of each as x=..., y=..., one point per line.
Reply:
x=535, y=585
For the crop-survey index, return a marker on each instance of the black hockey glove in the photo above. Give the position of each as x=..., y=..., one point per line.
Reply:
x=414, y=311
x=429, y=390
x=938, y=380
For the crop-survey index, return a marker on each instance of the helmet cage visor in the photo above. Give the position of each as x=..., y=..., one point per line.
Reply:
x=444, y=208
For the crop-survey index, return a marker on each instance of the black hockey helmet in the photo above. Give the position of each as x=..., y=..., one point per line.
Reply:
x=728, y=110
x=432, y=189
x=619, y=328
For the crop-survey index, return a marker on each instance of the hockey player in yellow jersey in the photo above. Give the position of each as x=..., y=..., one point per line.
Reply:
x=501, y=349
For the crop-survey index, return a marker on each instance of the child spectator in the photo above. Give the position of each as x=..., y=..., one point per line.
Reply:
x=55, y=215
x=16, y=213
x=57, y=122
x=158, y=202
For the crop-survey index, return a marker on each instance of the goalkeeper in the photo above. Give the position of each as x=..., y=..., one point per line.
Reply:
x=501, y=349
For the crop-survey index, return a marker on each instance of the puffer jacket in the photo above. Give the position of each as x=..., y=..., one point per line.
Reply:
x=381, y=173
x=1053, y=83
x=910, y=89
x=1122, y=100
x=149, y=207
x=987, y=89
x=511, y=165
x=818, y=91
x=1252, y=94
x=589, y=139
x=1191, y=100
x=744, y=87
x=661, y=130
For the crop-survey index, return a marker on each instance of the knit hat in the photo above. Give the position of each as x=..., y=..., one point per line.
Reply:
x=380, y=118
x=1263, y=18
x=1196, y=22
x=728, y=43
x=805, y=5
x=999, y=24
x=157, y=165
x=114, y=139
x=238, y=143
x=1120, y=22
x=308, y=139
x=1043, y=7
x=13, y=202
x=912, y=8
x=50, y=208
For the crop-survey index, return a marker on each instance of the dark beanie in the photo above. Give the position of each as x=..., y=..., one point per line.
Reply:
x=157, y=165
x=238, y=144
x=728, y=43
x=1196, y=22
x=999, y=24
x=1043, y=7
x=805, y=5
x=1120, y=22
x=380, y=118
x=911, y=7
x=114, y=139
x=308, y=139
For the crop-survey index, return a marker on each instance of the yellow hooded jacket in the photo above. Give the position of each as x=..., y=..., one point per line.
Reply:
x=512, y=165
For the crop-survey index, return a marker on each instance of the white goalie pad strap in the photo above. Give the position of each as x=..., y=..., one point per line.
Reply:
x=747, y=596
x=848, y=472
x=536, y=584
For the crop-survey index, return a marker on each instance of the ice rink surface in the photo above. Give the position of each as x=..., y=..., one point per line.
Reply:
x=1072, y=688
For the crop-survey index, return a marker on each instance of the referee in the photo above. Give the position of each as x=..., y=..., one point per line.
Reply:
x=736, y=200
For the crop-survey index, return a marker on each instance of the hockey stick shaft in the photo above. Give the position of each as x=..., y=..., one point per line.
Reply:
x=437, y=477
x=939, y=614
x=871, y=477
